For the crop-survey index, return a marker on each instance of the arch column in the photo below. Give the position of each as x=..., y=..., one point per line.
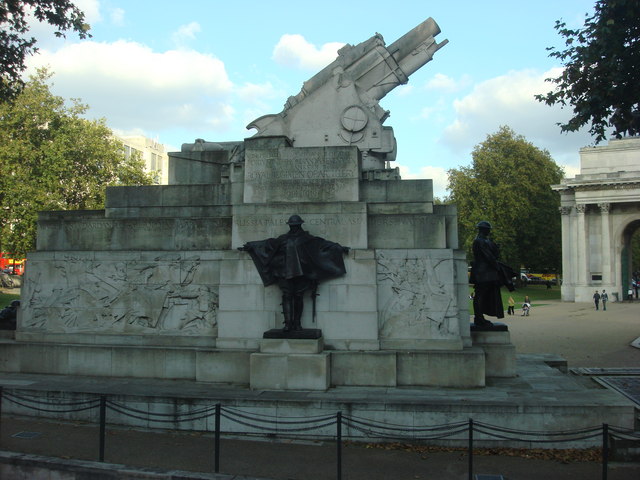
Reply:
x=606, y=243
x=582, y=234
x=568, y=260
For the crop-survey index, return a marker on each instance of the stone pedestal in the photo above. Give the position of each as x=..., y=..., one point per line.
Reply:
x=500, y=353
x=290, y=364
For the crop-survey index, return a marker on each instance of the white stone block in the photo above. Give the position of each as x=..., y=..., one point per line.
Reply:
x=271, y=371
x=90, y=361
x=500, y=360
x=363, y=369
x=464, y=368
x=141, y=363
x=222, y=366
x=291, y=345
x=348, y=325
x=242, y=298
x=244, y=324
x=360, y=271
x=352, y=298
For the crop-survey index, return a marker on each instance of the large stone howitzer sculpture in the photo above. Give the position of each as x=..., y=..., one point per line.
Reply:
x=358, y=78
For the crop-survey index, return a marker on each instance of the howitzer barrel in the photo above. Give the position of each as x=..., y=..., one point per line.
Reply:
x=410, y=52
x=416, y=47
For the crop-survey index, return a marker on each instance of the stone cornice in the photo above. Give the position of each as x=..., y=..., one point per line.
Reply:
x=605, y=184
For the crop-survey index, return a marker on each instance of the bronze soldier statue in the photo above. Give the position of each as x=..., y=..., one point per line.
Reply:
x=296, y=261
x=487, y=276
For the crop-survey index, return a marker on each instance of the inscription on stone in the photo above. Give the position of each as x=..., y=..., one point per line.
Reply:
x=344, y=228
x=301, y=174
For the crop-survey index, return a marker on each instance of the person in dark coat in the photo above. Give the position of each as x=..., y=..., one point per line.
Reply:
x=596, y=299
x=8, y=316
x=296, y=261
x=487, y=276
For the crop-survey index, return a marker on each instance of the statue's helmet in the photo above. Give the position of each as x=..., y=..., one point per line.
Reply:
x=484, y=224
x=295, y=220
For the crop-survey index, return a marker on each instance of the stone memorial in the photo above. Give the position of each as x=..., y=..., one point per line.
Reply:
x=154, y=286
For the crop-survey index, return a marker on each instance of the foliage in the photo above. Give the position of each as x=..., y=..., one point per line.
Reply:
x=508, y=184
x=15, y=44
x=51, y=159
x=602, y=67
x=7, y=298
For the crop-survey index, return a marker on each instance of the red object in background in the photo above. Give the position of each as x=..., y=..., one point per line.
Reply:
x=10, y=265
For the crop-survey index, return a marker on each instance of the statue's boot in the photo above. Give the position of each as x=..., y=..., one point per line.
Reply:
x=287, y=311
x=298, y=303
x=481, y=322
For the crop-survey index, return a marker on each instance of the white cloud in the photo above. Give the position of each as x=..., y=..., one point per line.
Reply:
x=45, y=33
x=404, y=90
x=91, y=10
x=255, y=93
x=294, y=51
x=509, y=100
x=117, y=17
x=185, y=33
x=437, y=174
x=134, y=87
x=445, y=83
x=570, y=171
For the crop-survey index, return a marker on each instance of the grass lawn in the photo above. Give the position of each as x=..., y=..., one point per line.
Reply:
x=6, y=298
x=537, y=294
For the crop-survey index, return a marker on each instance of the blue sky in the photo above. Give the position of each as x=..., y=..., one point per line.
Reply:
x=177, y=71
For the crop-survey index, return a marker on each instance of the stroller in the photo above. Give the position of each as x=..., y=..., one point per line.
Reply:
x=525, y=309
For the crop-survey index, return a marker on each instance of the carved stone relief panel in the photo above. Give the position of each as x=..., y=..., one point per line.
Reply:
x=416, y=295
x=156, y=296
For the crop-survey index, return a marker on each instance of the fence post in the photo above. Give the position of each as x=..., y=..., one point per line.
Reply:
x=470, y=449
x=605, y=450
x=339, y=444
x=103, y=422
x=216, y=436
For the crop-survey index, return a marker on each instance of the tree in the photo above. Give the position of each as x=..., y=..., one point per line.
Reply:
x=52, y=159
x=601, y=71
x=508, y=184
x=15, y=45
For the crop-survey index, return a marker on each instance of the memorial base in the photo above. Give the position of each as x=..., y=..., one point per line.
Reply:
x=290, y=364
x=500, y=353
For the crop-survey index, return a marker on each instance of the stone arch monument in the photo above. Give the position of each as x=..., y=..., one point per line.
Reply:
x=600, y=211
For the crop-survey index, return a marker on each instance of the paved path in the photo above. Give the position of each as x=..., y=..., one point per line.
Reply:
x=579, y=333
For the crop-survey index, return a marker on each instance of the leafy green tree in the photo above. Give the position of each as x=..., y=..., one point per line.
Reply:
x=601, y=70
x=15, y=44
x=52, y=159
x=508, y=184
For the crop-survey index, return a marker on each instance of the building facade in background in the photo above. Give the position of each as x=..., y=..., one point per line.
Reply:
x=153, y=154
x=600, y=210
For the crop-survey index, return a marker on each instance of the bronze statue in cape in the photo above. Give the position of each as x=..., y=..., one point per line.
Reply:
x=297, y=262
x=488, y=274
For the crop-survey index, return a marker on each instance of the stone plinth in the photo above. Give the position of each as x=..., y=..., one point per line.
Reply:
x=290, y=364
x=500, y=353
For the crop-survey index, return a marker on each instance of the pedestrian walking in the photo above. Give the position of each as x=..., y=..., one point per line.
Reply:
x=512, y=306
x=604, y=297
x=526, y=306
x=596, y=300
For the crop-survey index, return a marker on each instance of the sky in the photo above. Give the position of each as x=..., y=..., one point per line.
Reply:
x=177, y=71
